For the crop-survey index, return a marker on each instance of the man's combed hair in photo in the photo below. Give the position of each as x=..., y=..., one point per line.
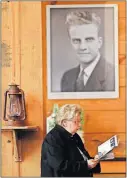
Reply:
x=67, y=112
x=82, y=17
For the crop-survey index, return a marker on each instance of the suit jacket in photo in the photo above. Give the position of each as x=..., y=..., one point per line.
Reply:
x=101, y=79
x=60, y=156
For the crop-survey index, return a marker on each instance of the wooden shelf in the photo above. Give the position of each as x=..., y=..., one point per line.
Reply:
x=22, y=128
x=17, y=134
x=116, y=159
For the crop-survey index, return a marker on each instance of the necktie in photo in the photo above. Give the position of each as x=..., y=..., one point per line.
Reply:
x=80, y=82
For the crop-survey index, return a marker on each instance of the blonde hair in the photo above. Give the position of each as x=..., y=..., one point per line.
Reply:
x=67, y=112
x=82, y=17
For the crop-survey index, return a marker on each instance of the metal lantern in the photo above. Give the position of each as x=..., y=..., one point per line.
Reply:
x=14, y=106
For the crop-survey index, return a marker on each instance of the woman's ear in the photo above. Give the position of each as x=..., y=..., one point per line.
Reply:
x=64, y=123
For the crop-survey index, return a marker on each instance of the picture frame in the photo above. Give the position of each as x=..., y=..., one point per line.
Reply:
x=61, y=56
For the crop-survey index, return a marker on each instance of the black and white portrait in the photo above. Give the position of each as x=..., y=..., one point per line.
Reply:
x=82, y=51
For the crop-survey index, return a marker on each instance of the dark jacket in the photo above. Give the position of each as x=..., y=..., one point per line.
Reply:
x=60, y=156
x=101, y=79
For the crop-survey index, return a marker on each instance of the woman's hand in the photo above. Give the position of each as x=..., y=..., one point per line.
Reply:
x=96, y=157
x=92, y=163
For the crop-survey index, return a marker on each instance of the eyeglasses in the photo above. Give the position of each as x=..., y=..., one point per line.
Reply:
x=75, y=121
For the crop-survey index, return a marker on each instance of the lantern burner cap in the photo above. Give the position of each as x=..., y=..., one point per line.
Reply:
x=13, y=84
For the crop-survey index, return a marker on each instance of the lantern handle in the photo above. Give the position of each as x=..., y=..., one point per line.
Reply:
x=5, y=102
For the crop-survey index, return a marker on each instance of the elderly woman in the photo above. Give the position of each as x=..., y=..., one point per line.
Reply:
x=63, y=153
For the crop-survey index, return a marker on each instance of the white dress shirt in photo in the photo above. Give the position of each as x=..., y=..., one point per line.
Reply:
x=88, y=70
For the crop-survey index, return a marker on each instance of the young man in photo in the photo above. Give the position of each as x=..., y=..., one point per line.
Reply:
x=93, y=73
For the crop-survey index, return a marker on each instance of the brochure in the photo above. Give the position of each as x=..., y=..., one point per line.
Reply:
x=104, y=150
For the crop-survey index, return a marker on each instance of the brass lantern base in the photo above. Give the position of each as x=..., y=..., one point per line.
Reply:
x=15, y=123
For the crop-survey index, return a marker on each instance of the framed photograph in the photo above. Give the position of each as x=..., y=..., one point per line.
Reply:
x=82, y=51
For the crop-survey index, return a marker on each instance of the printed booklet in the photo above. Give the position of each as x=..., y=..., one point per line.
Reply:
x=104, y=150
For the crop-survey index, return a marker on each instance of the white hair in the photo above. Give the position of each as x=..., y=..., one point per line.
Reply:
x=67, y=112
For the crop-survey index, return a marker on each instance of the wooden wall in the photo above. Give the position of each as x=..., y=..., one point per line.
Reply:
x=24, y=60
x=22, y=35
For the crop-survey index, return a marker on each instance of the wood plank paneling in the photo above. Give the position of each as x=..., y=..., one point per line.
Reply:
x=122, y=29
x=113, y=167
x=31, y=61
x=122, y=47
x=104, y=121
x=122, y=75
x=31, y=157
x=28, y=64
x=7, y=154
x=121, y=8
x=6, y=61
x=94, y=104
x=9, y=167
x=122, y=82
x=122, y=71
x=31, y=82
x=92, y=141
